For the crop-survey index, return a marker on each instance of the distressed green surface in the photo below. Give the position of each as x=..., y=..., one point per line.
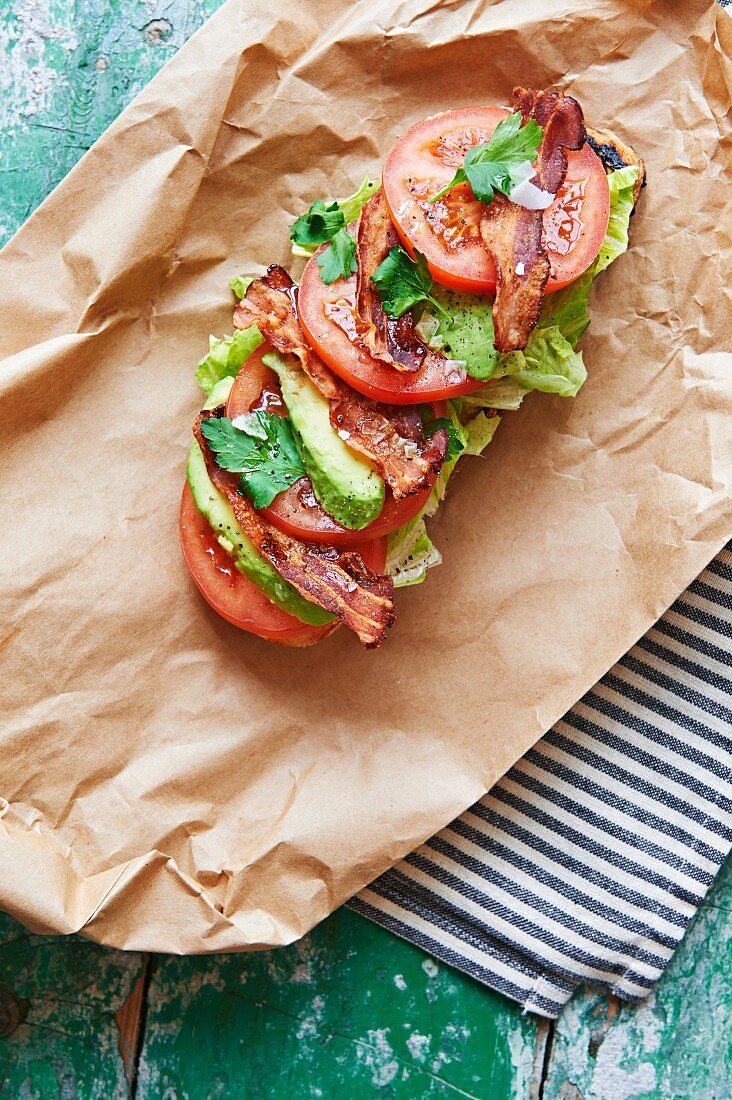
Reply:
x=350, y=1011
x=676, y=1046
x=69, y=67
x=346, y=1012
x=63, y=997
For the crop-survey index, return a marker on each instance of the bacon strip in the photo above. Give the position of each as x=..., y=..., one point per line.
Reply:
x=340, y=582
x=269, y=304
x=513, y=235
x=390, y=340
x=389, y=436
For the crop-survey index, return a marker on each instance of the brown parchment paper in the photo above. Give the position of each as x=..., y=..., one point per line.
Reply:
x=170, y=783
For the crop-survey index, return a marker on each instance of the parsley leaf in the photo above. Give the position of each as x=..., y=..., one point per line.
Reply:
x=259, y=446
x=432, y=424
x=320, y=224
x=324, y=223
x=498, y=164
x=338, y=261
x=402, y=282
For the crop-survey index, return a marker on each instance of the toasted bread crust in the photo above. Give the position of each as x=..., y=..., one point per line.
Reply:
x=614, y=153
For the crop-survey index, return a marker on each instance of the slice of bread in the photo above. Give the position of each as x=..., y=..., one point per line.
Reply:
x=614, y=153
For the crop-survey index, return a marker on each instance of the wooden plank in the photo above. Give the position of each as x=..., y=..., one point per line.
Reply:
x=347, y=1011
x=69, y=1017
x=675, y=1046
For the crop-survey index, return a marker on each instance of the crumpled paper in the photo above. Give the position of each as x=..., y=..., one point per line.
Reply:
x=170, y=783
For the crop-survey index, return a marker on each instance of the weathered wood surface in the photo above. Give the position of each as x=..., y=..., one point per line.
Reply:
x=346, y=1012
x=350, y=1011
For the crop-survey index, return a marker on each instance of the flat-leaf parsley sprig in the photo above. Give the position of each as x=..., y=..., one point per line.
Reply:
x=324, y=223
x=500, y=164
x=402, y=282
x=261, y=447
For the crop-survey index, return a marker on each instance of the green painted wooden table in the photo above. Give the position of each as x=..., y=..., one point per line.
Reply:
x=349, y=1011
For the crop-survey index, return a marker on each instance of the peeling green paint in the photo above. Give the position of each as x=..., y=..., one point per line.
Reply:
x=326, y=1017
x=69, y=69
x=65, y=1042
x=675, y=1046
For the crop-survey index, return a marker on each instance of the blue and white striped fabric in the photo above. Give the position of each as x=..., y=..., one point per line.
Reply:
x=587, y=861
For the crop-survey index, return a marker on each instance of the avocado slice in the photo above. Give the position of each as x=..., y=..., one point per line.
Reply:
x=247, y=558
x=468, y=335
x=344, y=482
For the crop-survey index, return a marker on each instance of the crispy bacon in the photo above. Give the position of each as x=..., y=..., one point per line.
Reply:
x=269, y=304
x=563, y=123
x=392, y=437
x=513, y=235
x=390, y=340
x=338, y=581
x=385, y=434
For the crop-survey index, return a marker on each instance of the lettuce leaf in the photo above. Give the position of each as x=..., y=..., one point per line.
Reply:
x=219, y=393
x=566, y=309
x=240, y=284
x=226, y=356
x=504, y=394
x=475, y=435
x=410, y=551
x=550, y=364
x=478, y=433
x=621, y=184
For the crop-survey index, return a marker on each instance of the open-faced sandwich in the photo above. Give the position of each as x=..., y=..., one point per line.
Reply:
x=431, y=301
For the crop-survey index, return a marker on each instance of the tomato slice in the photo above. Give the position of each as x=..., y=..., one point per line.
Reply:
x=296, y=511
x=235, y=597
x=448, y=232
x=328, y=319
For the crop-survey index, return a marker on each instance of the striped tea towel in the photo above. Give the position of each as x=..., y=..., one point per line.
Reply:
x=587, y=861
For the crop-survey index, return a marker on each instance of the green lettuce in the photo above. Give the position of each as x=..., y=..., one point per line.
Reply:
x=504, y=394
x=240, y=284
x=550, y=364
x=621, y=183
x=226, y=356
x=478, y=432
x=220, y=393
x=410, y=551
x=475, y=435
